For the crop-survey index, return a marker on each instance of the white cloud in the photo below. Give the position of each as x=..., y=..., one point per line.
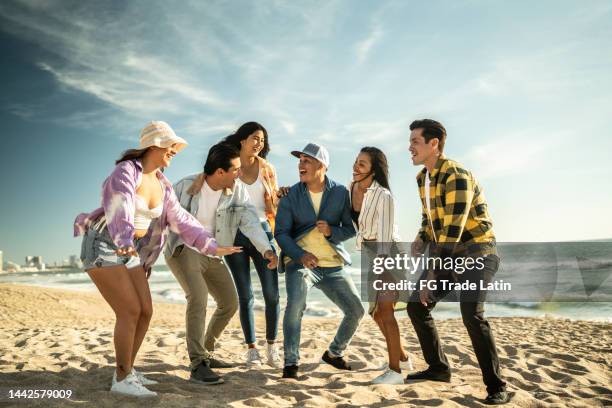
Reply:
x=288, y=126
x=363, y=48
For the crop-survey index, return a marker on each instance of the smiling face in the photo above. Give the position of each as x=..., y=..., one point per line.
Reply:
x=362, y=167
x=420, y=150
x=310, y=169
x=253, y=144
x=162, y=156
x=227, y=178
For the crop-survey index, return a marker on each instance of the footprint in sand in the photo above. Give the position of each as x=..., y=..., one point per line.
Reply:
x=529, y=376
x=558, y=376
x=575, y=367
x=599, y=390
x=510, y=350
x=567, y=357
x=544, y=362
x=168, y=342
x=21, y=343
x=102, y=341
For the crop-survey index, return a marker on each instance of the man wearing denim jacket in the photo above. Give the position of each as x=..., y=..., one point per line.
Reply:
x=311, y=223
x=221, y=203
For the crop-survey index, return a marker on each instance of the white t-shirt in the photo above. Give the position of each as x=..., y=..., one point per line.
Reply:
x=207, y=208
x=256, y=197
x=427, y=184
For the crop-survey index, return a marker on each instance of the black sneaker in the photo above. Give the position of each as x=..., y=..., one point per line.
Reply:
x=430, y=376
x=202, y=374
x=497, y=398
x=290, y=372
x=338, y=362
x=216, y=363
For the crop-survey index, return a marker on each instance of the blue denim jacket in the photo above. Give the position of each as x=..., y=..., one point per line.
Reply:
x=296, y=218
x=234, y=212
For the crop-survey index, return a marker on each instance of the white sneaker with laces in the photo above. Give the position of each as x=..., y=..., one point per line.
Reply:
x=131, y=386
x=143, y=380
x=274, y=359
x=404, y=365
x=253, y=359
x=389, y=377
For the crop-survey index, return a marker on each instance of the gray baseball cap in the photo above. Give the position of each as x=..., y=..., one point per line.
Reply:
x=315, y=151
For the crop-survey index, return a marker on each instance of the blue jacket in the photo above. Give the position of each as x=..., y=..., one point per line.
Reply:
x=296, y=218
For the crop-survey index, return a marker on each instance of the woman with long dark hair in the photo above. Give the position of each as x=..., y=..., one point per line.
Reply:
x=372, y=210
x=259, y=177
x=124, y=237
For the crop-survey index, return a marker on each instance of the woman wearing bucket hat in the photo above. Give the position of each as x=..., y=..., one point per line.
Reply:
x=123, y=238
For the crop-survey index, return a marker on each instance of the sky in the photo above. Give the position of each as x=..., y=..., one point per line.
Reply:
x=523, y=88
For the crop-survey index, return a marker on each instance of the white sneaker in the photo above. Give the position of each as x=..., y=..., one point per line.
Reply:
x=274, y=359
x=404, y=365
x=131, y=386
x=140, y=376
x=389, y=377
x=253, y=359
x=143, y=380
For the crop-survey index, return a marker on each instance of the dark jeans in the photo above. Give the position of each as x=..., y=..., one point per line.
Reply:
x=472, y=310
x=239, y=265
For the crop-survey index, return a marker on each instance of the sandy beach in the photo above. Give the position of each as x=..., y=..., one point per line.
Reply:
x=60, y=339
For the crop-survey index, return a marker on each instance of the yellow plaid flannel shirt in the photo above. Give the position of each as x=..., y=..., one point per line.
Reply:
x=458, y=209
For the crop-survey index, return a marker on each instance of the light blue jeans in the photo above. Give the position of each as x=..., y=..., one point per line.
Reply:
x=338, y=287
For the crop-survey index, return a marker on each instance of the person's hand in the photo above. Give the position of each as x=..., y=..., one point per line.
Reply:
x=223, y=251
x=417, y=248
x=424, y=296
x=324, y=228
x=282, y=192
x=126, y=251
x=271, y=256
x=309, y=260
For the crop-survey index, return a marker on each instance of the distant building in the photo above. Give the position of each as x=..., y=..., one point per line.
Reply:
x=75, y=262
x=1, y=262
x=34, y=262
x=12, y=267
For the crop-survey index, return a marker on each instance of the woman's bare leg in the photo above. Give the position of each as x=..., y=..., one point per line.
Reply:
x=117, y=289
x=385, y=316
x=378, y=319
x=141, y=284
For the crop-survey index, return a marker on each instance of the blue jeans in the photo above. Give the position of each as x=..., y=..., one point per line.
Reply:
x=338, y=287
x=239, y=265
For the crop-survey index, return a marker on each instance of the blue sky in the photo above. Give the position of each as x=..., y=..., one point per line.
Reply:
x=523, y=88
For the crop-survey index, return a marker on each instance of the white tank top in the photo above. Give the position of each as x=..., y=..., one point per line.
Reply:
x=256, y=195
x=143, y=214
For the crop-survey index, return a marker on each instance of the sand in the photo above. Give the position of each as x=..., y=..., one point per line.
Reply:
x=60, y=339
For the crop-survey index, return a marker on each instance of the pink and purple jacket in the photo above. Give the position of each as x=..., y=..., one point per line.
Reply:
x=118, y=192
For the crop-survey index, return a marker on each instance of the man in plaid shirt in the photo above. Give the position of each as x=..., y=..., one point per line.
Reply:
x=455, y=222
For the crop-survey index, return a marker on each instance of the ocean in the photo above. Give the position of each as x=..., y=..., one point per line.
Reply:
x=530, y=267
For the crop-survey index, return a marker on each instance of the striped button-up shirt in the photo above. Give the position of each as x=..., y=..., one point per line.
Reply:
x=459, y=212
x=377, y=218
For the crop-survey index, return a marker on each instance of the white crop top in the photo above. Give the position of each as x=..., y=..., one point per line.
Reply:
x=143, y=214
x=256, y=195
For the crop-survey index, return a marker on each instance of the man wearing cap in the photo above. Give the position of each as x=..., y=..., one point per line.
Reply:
x=313, y=220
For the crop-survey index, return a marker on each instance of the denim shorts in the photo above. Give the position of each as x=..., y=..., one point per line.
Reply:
x=98, y=250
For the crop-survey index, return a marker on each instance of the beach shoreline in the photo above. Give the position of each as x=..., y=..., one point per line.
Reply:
x=62, y=339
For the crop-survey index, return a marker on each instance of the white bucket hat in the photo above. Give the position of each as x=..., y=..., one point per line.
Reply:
x=160, y=134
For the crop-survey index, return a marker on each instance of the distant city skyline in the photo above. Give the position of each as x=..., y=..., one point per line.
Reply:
x=524, y=89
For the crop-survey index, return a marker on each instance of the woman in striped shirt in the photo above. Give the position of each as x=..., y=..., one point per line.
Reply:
x=373, y=216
